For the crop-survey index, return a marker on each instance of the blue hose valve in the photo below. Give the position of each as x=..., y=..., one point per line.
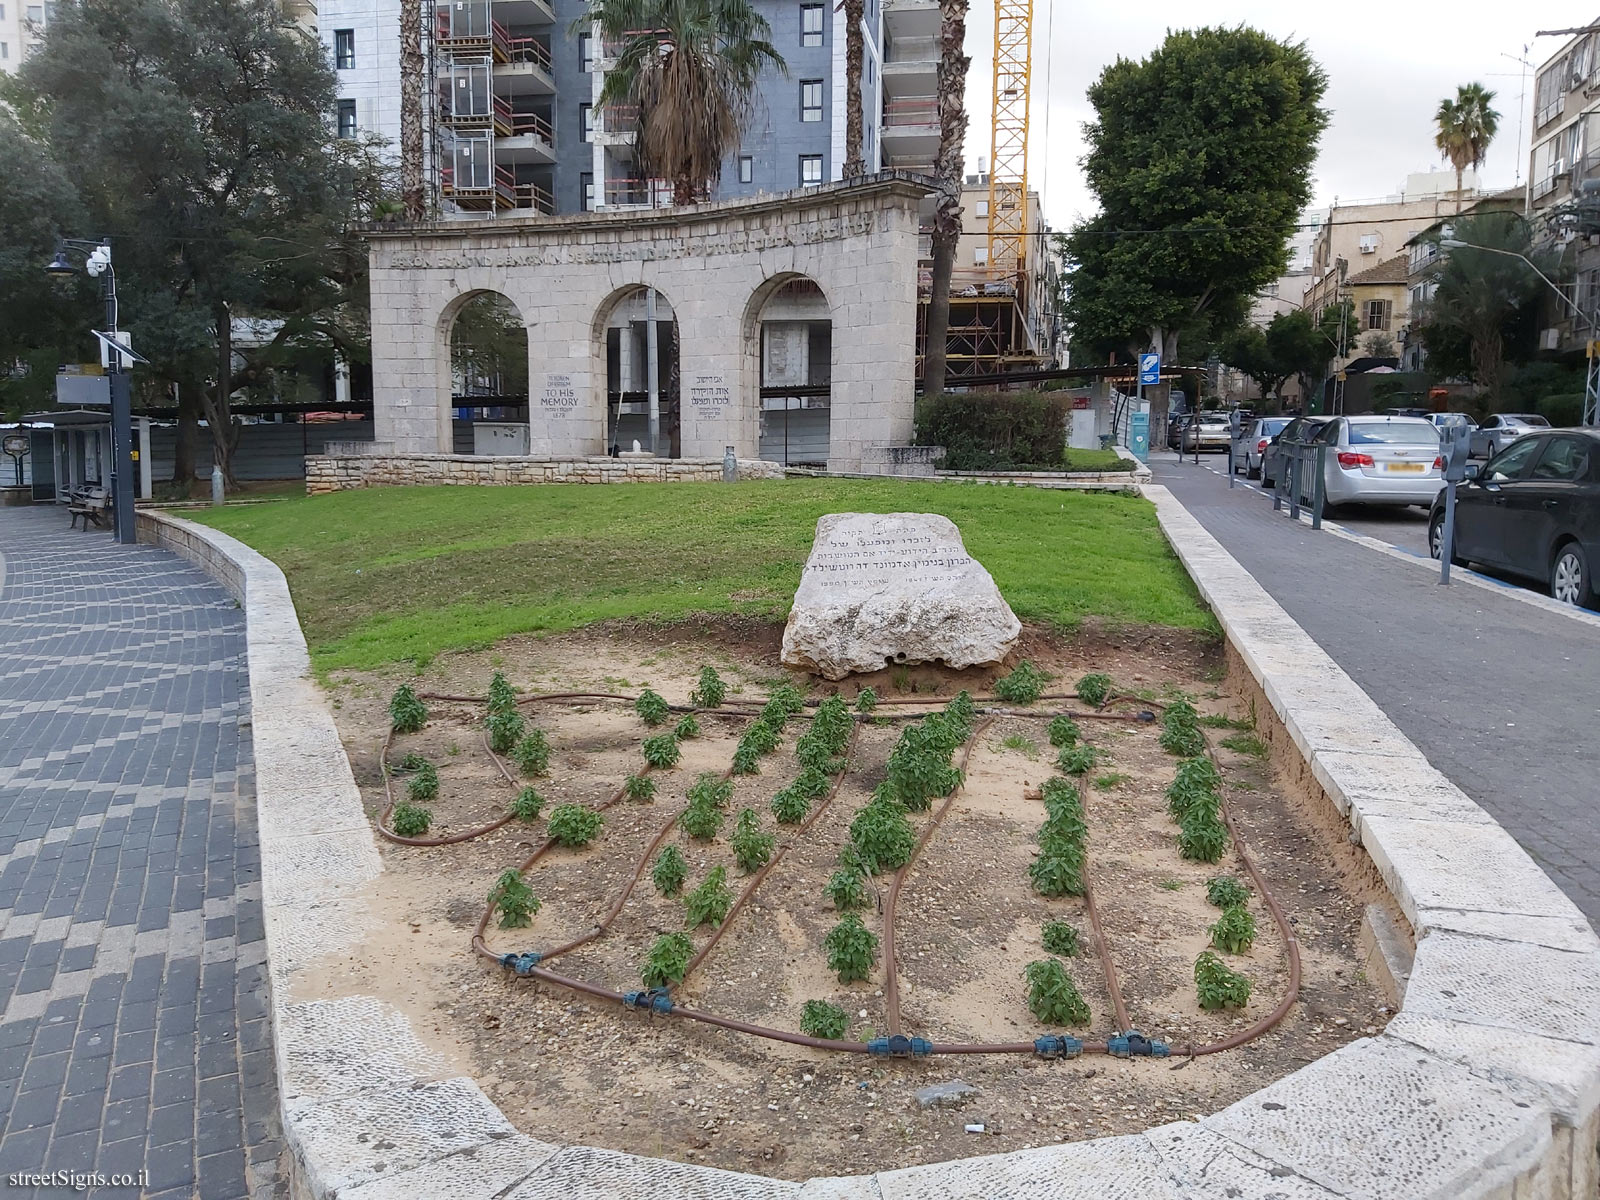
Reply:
x=654, y=1000
x=1058, y=1047
x=522, y=964
x=1136, y=1045
x=900, y=1046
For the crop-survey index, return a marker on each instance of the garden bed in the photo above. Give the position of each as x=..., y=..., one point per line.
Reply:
x=571, y=1068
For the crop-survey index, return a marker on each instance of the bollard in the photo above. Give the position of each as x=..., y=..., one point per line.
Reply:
x=216, y=485
x=1319, y=489
x=730, y=466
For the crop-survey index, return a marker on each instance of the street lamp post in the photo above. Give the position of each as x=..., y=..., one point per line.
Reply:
x=98, y=265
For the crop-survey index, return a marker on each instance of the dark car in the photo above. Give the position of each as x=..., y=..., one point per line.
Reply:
x=1302, y=431
x=1532, y=510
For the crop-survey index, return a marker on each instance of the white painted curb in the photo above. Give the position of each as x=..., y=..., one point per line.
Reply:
x=1487, y=1084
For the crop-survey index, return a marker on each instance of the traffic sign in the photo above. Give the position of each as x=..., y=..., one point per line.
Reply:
x=1149, y=370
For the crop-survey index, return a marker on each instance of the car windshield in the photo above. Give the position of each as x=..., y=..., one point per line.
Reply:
x=1267, y=428
x=1533, y=419
x=1402, y=431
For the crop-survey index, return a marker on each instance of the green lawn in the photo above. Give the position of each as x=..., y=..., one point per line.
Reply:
x=392, y=574
x=1074, y=459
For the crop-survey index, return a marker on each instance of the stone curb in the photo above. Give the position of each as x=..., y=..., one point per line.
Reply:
x=1487, y=1084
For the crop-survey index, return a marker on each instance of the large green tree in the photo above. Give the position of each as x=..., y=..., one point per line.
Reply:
x=1200, y=156
x=1294, y=345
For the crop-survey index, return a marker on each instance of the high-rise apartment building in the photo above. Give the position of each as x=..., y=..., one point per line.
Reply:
x=22, y=28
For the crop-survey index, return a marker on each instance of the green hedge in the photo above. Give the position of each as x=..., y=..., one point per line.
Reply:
x=995, y=431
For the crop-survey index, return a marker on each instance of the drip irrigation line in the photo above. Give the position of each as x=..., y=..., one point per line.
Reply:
x=453, y=839
x=1103, y=950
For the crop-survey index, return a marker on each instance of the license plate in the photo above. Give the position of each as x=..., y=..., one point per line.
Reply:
x=1418, y=468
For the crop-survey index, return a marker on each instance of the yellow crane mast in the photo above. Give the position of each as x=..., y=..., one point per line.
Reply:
x=1008, y=147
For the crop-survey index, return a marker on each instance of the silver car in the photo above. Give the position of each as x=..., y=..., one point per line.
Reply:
x=1380, y=460
x=1211, y=431
x=1499, y=431
x=1250, y=447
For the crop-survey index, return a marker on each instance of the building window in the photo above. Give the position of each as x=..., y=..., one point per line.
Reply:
x=347, y=118
x=747, y=169
x=981, y=209
x=810, y=170
x=36, y=13
x=811, y=99
x=5, y=52
x=586, y=121
x=585, y=52
x=980, y=256
x=344, y=49
x=811, y=24
x=587, y=179
x=1378, y=313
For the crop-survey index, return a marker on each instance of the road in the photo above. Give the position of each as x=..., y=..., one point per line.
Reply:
x=1501, y=695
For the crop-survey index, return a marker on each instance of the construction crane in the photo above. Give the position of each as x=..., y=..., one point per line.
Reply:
x=1008, y=146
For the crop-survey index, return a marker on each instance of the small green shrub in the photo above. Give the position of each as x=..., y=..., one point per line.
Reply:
x=1246, y=743
x=1094, y=689
x=1064, y=731
x=1234, y=931
x=1183, y=740
x=652, y=709
x=528, y=805
x=423, y=785
x=668, y=960
x=851, y=948
x=574, y=824
x=882, y=835
x=532, y=753
x=846, y=889
x=866, y=700
x=1217, y=986
x=1202, y=836
x=1056, y=874
x=761, y=736
x=1024, y=685
x=701, y=821
x=1052, y=996
x=407, y=714
x=1060, y=938
x=1180, y=712
x=833, y=723
x=815, y=754
x=502, y=696
x=413, y=762
x=790, y=806
x=515, y=901
x=669, y=871
x=919, y=765
x=711, y=692
x=660, y=751
x=752, y=849
x=1194, y=786
x=641, y=789
x=712, y=791
x=789, y=697
x=410, y=820
x=992, y=431
x=746, y=761
x=812, y=783
x=687, y=728
x=1226, y=892
x=819, y=1019
x=709, y=903
x=1078, y=760
x=505, y=729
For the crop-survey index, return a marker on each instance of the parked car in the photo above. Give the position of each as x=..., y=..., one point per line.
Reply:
x=1175, y=429
x=1211, y=432
x=1298, y=430
x=1532, y=510
x=1380, y=460
x=1446, y=421
x=1500, y=430
x=1251, y=444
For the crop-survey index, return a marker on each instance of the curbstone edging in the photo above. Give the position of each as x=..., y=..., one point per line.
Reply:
x=1487, y=1084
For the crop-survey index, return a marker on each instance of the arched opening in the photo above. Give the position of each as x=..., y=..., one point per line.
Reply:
x=638, y=331
x=489, y=376
x=794, y=339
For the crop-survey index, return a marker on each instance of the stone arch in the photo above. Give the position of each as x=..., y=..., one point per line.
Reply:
x=483, y=368
x=787, y=338
x=619, y=335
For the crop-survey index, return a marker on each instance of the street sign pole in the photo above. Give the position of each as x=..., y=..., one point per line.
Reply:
x=1150, y=373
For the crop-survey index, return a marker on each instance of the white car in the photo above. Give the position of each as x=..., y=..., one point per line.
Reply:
x=1499, y=431
x=1380, y=460
x=1255, y=435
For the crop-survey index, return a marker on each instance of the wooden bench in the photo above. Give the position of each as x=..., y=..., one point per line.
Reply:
x=89, y=504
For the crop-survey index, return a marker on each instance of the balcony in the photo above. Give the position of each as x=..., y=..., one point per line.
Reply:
x=530, y=139
x=476, y=192
x=910, y=67
x=911, y=18
x=617, y=124
x=638, y=193
x=524, y=12
x=910, y=134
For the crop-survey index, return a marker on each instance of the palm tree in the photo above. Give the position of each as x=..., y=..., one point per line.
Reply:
x=854, y=165
x=690, y=66
x=947, y=169
x=1466, y=126
x=412, y=66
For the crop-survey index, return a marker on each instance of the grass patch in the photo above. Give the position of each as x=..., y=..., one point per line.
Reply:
x=1110, y=780
x=1015, y=741
x=1246, y=743
x=401, y=574
x=1074, y=459
x=1223, y=721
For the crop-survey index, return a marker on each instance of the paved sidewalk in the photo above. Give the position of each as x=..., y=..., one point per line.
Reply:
x=134, y=1030
x=1502, y=696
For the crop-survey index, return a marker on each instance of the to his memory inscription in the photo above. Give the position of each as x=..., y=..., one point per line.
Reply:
x=896, y=588
x=558, y=393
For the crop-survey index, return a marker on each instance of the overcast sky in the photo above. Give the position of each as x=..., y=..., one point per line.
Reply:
x=1388, y=67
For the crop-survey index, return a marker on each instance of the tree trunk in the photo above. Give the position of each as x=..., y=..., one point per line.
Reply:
x=855, y=166
x=218, y=401
x=189, y=413
x=947, y=169
x=412, y=195
x=1458, y=191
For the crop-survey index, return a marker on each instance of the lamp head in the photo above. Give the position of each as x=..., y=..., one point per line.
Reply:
x=1452, y=243
x=59, y=266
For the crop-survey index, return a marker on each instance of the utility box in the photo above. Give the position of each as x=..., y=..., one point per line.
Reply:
x=1139, y=435
x=500, y=438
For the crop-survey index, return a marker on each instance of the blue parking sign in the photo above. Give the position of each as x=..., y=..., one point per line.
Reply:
x=1149, y=369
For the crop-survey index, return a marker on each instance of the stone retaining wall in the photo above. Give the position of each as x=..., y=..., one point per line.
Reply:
x=1485, y=1086
x=337, y=473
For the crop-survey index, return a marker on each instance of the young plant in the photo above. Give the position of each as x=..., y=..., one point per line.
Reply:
x=515, y=901
x=413, y=762
x=652, y=709
x=686, y=728
x=1056, y=873
x=846, y=889
x=1052, y=996
x=1234, y=931
x=752, y=849
x=790, y=806
x=919, y=764
x=532, y=753
x=789, y=697
x=505, y=729
x=1094, y=689
x=812, y=783
x=410, y=820
x=1078, y=760
x=815, y=753
x=709, y=903
x=528, y=805
x=761, y=736
x=407, y=714
x=661, y=751
x=1217, y=986
x=423, y=785
x=669, y=871
x=1024, y=745
x=833, y=723
x=819, y=1019
x=882, y=836
x=1185, y=741
x=1023, y=686
x=712, y=791
x=641, y=789
x=711, y=692
x=701, y=821
x=851, y=948
x=1060, y=938
x=1064, y=731
x=1202, y=836
x=1226, y=892
x=1246, y=743
x=502, y=696
x=746, y=760
x=1111, y=780
x=574, y=824
x=866, y=700
x=667, y=961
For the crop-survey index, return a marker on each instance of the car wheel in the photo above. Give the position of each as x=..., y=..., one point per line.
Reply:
x=1569, y=576
x=1436, y=541
x=1249, y=471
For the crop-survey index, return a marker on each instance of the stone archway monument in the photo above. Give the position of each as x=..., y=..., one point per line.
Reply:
x=715, y=264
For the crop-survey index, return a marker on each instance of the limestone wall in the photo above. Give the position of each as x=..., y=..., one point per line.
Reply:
x=338, y=473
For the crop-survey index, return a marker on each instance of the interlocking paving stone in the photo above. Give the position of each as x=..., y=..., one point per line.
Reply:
x=133, y=992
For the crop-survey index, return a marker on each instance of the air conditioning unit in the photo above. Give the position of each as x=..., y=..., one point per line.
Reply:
x=1369, y=243
x=1550, y=339
x=1558, y=168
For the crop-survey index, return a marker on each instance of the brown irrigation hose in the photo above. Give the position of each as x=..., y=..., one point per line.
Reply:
x=1103, y=950
x=891, y=974
x=383, y=821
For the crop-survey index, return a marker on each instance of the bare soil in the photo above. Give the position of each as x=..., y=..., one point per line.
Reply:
x=567, y=1068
